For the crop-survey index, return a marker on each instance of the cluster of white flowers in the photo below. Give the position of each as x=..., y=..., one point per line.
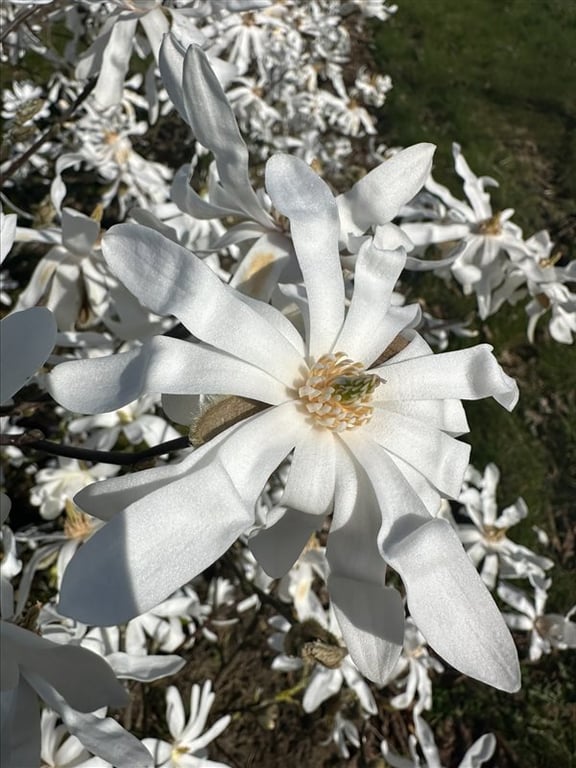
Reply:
x=237, y=333
x=487, y=254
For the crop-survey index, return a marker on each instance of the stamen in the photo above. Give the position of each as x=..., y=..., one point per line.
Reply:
x=337, y=392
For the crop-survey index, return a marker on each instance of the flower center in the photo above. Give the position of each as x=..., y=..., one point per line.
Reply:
x=491, y=226
x=337, y=392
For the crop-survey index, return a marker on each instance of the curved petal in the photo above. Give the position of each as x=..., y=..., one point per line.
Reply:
x=163, y=365
x=26, y=340
x=259, y=271
x=170, y=535
x=189, y=201
x=310, y=484
x=465, y=374
x=82, y=677
x=172, y=281
x=115, y=62
x=323, y=684
x=298, y=193
x=447, y=415
x=378, y=196
x=102, y=736
x=375, y=276
x=277, y=548
x=370, y=615
x=20, y=727
x=214, y=125
x=175, y=715
x=440, y=458
x=451, y=606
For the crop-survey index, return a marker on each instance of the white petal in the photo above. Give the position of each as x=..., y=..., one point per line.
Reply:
x=465, y=374
x=323, y=684
x=82, y=677
x=371, y=618
x=145, y=669
x=298, y=193
x=451, y=606
x=378, y=196
x=20, y=734
x=164, y=539
x=310, y=484
x=175, y=716
x=277, y=548
x=114, y=62
x=104, y=499
x=102, y=736
x=447, y=415
x=439, y=457
x=214, y=125
x=370, y=615
x=26, y=340
x=375, y=276
x=259, y=271
x=163, y=365
x=170, y=280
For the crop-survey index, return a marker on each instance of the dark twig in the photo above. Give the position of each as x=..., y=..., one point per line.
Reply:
x=19, y=162
x=34, y=442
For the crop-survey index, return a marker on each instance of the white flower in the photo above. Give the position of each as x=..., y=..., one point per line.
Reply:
x=55, y=486
x=486, y=541
x=374, y=200
x=71, y=680
x=484, y=238
x=417, y=663
x=187, y=748
x=481, y=751
x=133, y=421
x=371, y=434
x=60, y=750
x=547, y=630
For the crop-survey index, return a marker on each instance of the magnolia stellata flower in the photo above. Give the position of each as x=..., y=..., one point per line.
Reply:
x=368, y=410
x=484, y=238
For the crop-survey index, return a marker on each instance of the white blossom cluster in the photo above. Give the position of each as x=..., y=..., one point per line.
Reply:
x=244, y=413
x=487, y=254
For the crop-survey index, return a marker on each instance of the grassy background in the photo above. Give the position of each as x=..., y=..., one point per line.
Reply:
x=500, y=78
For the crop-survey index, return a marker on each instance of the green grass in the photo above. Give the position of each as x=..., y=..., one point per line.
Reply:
x=500, y=78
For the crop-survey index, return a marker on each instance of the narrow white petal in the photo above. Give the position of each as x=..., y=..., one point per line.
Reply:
x=375, y=276
x=171, y=534
x=447, y=415
x=82, y=677
x=20, y=727
x=378, y=196
x=465, y=374
x=371, y=618
x=370, y=615
x=310, y=484
x=163, y=365
x=26, y=340
x=451, y=606
x=172, y=281
x=298, y=193
x=277, y=548
x=439, y=457
x=115, y=62
x=260, y=269
x=102, y=736
x=214, y=125
x=105, y=499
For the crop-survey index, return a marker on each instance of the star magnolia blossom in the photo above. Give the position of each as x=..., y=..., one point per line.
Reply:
x=370, y=419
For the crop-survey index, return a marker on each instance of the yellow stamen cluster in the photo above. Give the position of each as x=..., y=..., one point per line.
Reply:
x=337, y=392
x=491, y=226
